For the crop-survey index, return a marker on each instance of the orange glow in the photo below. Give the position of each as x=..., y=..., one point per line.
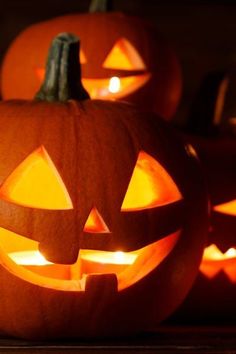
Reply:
x=212, y=252
x=29, y=258
x=40, y=73
x=114, y=84
x=36, y=183
x=82, y=58
x=20, y=256
x=109, y=88
x=226, y=208
x=124, y=56
x=106, y=257
x=150, y=185
x=214, y=261
x=100, y=88
x=95, y=222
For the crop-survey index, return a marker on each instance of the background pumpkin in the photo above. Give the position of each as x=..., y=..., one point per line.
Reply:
x=212, y=299
x=122, y=58
x=124, y=183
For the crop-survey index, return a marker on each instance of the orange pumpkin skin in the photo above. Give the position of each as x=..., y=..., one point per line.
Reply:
x=99, y=32
x=94, y=147
x=39, y=312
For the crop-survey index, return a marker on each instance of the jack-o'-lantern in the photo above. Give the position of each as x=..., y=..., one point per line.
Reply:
x=122, y=58
x=98, y=205
x=213, y=295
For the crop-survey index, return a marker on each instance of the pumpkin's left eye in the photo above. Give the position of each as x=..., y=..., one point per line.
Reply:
x=227, y=208
x=150, y=185
x=124, y=56
x=36, y=183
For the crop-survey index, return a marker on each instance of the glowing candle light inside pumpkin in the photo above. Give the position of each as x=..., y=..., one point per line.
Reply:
x=33, y=257
x=213, y=253
x=114, y=84
x=108, y=257
x=231, y=253
x=29, y=258
x=105, y=262
x=119, y=257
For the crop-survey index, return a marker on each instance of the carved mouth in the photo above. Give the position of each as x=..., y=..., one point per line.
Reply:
x=21, y=257
x=108, y=88
x=114, y=87
x=215, y=261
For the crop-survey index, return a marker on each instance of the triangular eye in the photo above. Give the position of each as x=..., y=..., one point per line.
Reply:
x=227, y=208
x=95, y=223
x=124, y=56
x=150, y=185
x=36, y=183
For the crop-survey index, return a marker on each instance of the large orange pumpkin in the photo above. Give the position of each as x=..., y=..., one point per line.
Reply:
x=122, y=58
x=101, y=208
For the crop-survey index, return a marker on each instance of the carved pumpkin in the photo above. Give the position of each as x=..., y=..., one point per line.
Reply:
x=213, y=295
x=98, y=206
x=122, y=58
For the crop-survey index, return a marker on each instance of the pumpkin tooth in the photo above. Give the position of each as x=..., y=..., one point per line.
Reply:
x=105, y=283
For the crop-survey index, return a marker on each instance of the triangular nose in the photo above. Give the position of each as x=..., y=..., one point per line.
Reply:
x=95, y=223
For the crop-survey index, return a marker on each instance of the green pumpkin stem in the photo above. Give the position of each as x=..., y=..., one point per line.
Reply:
x=62, y=80
x=100, y=6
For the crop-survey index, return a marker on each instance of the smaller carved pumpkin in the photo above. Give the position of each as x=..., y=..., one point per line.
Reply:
x=213, y=296
x=122, y=58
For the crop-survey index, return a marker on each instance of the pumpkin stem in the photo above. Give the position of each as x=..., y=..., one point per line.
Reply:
x=100, y=6
x=63, y=73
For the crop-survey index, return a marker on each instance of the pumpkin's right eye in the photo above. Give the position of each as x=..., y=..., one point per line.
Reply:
x=150, y=185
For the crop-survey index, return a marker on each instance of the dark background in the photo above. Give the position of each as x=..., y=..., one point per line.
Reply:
x=203, y=33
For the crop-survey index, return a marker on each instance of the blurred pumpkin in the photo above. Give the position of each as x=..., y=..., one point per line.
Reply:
x=98, y=205
x=212, y=122
x=122, y=58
